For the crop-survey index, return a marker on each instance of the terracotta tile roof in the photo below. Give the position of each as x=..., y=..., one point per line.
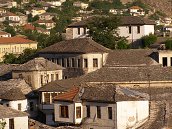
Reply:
x=83, y=45
x=6, y=112
x=3, y=33
x=101, y=93
x=14, y=40
x=10, y=14
x=136, y=7
x=68, y=96
x=28, y=27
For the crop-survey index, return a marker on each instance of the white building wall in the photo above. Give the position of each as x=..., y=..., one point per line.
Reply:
x=19, y=122
x=129, y=113
x=165, y=53
x=71, y=113
x=14, y=104
x=148, y=29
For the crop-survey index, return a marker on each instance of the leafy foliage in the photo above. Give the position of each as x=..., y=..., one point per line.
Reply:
x=27, y=55
x=168, y=44
x=104, y=31
x=148, y=40
x=10, y=30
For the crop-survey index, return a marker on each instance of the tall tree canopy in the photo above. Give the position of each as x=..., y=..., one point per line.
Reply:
x=104, y=31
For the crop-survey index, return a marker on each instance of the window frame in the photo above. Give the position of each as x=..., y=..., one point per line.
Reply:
x=78, y=112
x=64, y=111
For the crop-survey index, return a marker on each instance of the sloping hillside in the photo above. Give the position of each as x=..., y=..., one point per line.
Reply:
x=162, y=5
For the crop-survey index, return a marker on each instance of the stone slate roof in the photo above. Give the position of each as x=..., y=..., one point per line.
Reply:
x=80, y=46
x=14, y=89
x=101, y=93
x=38, y=64
x=124, y=20
x=131, y=57
x=5, y=71
x=115, y=75
x=6, y=112
x=13, y=94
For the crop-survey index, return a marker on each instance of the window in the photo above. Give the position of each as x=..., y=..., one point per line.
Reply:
x=63, y=63
x=164, y=61
x=138, y=29
x=57, y=61
x=110, y=112
x=52, y=77
x=47, y=98
x=95, y=62
x=171, y=61
x=19, y=106
x=31, y=106
x=98, y=112
x=47, y=78
x=11, y=123
x=68, y=63
x=79, y=63
x=85, y=30
x=64, y=111
x=129, y=29
x=88, y=110
x=85, y=63
x=73, y=62
x=78, y=112
x=79, y=31
x=42, y=79
x=57, y=77
x=20, y=76
x=53, y=95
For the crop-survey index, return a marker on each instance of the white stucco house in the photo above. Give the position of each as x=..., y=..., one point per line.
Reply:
x=136, y=11
x=18, y=95
x=78, y=56
x=131, y=27
x=102, y=107
x=13, y=119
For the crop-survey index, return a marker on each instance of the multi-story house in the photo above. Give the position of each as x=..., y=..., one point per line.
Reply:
x=18, y=95
x=136, y=11
x=38, y=72
x=47, y=16
x=48, y=23
x=102, y=106
x=131, y=27
x=37, y=11
x=15, y=45
x=78, y=56
x=12, y=119
x=4, y=34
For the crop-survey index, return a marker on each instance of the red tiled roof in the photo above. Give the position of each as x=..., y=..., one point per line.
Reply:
x=69, y=95
x=10, y=14
x=3, y=33
x=28, y=27
x=135, y=7
x=13, y=40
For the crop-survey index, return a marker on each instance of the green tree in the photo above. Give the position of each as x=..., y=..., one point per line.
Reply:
x=148, y=40
x=104, y=31
x=10, y=30
x=2, y=124
x=168, y=44
x=9, y=58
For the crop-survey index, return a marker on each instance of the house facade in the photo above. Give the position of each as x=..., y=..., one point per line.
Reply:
x=98, y=111
x=4, y=34
x=38, y=72
x=75, y=59
x=12, y=118
x=131, y=27
x=15, y=45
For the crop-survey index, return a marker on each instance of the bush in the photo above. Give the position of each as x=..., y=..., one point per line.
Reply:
x=168, y=44
x=148, y=40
